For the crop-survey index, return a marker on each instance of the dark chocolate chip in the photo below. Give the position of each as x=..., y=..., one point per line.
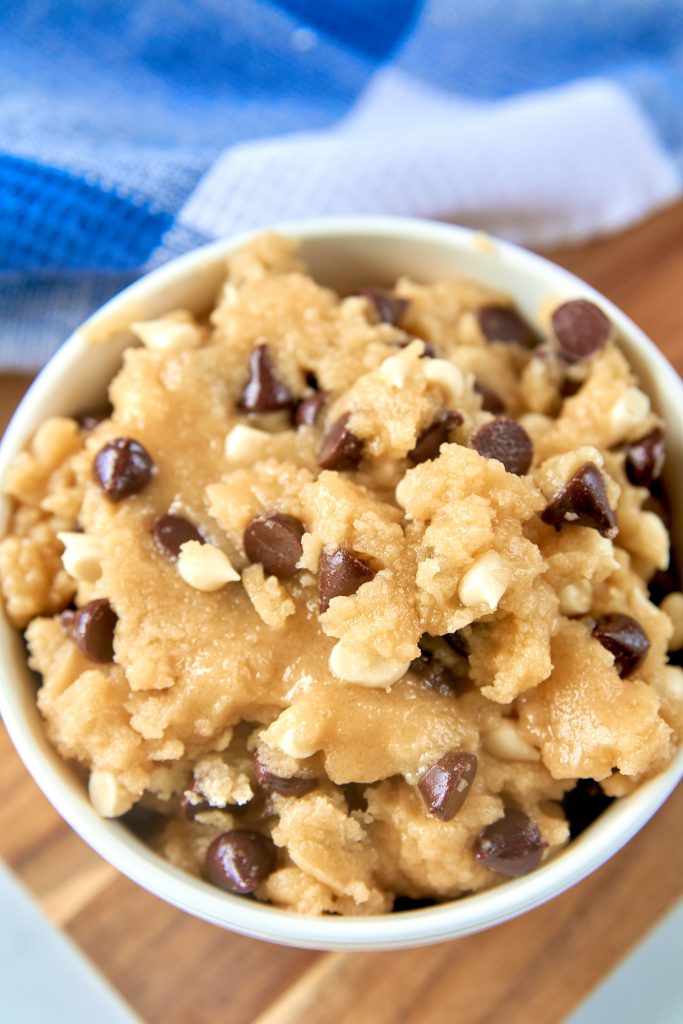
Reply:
x=192, y=803
x=506, y=441
x=444, y=787
x=490, y=401
x=388, y=307
x=88, y=421
x=312, y=380
x=435, y=674
x=92, y=630
x=295, y=785
x=264, y=391
x=645, y=458
x=275, y=541
x=511, y=846
x=432, y=437
x=143, y=822
x=309, y=409
x=583, y=502
x=406, y=903
x=500, y=323
x=583, y=804
x=240, y=860
x=93, y=417
x=123, y=467
x=341, y=574
x=170, y=532
x=581, y=329
x=623, y=637
x=664, y=582
x=340, y=449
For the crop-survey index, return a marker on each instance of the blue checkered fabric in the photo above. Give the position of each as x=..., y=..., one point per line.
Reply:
x=130, y=132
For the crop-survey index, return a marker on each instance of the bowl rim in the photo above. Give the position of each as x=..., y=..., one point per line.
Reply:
x=138, y=862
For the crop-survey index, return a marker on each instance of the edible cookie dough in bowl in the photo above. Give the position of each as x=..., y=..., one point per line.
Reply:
x=342, y=555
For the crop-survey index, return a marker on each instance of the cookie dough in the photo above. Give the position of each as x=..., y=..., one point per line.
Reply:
x=344, y=603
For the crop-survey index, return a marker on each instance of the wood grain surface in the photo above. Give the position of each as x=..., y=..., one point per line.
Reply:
x=176, y=970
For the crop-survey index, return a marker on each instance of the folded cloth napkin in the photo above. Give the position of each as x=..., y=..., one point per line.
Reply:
x=131, y=132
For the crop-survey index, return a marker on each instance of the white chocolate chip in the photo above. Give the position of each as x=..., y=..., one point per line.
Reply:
x=485, y=582
x=289, y=742
x=171, y=333
x=393, y=371
x=448, y=377
x=291, y=735
x=403, y=491
x=245, y=443
x=653, y=538
x=204, y=566
x=629, y=412
x=82, y=556
x=355, y=666
x=109, y=798
x=576, y=598
x=669, y=683
x=672, y=605
x=505, y=743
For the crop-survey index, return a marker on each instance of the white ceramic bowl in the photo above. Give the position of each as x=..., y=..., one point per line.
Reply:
x=346, y=253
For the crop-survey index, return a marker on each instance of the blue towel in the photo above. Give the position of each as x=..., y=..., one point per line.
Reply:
x=133, y=131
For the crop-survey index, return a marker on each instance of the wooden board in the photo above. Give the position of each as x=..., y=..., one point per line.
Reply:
x=176, y=970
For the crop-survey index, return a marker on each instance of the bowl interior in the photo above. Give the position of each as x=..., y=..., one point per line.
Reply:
x=346, y=255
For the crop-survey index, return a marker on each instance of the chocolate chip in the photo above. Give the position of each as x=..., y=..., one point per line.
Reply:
x=506, y=441
x=240, y=860
x=143, y=822
x=581, y=329
x=583, y=502
x=340, y=449
x=295, y=785
x=511, y=846
x=500, y=323
x=264, y=391
x=583, y=804
x=192, y=803
x=341, y=574
x=388, y=307
x=445, y=786
x=312, y=380
x=309, y=409
x=274, y=540
x=433, y=436
x=91, y=628
x=490, y=401
x=623, y=637
x=93, y=417
x=435, y=674
x=88, y=421
x=123, y=467
x=664, y=582
x=170, y=532
x=645, y=458
x=404, y=903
